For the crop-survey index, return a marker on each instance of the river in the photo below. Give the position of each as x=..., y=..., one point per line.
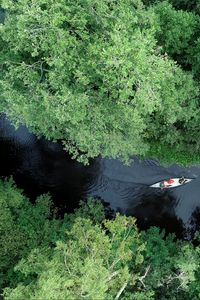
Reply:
x=39, y=166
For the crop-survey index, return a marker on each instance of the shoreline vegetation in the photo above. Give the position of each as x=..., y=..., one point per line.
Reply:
x=85, y=255
x=167, y=155
x=110, y=78
x=106, y=78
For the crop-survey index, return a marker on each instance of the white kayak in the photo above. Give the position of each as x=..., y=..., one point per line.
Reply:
x=172, y=185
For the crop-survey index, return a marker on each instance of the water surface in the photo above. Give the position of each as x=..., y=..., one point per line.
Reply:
x=39, y=166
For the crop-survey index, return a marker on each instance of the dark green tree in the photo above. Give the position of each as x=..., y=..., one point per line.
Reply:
x=23, y=226
x=192, y=5
x=176, y=32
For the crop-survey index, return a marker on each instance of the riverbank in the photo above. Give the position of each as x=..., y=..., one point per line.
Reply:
x=39, y=166
x=44, y=256
x=168, y=155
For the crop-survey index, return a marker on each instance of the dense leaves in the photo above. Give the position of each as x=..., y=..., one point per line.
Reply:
x=86, y=256
x=90, y=73
x=114, y=78
x=177, y=30
x=23, y=226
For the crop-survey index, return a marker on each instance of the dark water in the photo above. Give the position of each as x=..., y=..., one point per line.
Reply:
x=39, y=166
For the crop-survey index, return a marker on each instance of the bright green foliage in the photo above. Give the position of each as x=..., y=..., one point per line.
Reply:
x=90, y=73
x=90, y=264
x=96, y=262
x=85, y=256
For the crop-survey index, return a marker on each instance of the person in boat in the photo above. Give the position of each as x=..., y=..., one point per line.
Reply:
x=166, y=183
x=182, y=180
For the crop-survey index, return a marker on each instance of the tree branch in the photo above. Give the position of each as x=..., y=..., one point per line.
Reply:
x=121, y=290
x=113, y=275
x=145, y=274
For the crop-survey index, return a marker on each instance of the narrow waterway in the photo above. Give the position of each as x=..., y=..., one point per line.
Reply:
x=39, y=166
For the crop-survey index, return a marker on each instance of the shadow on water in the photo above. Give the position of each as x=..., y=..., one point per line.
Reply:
x=158, y=210
x=39, y=166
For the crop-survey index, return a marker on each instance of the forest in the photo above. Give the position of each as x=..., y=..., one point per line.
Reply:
x=109, y=78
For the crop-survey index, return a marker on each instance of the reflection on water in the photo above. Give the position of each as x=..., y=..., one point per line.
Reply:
x=39, y=166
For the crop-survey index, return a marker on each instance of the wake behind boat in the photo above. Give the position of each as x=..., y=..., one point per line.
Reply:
x=171, y=183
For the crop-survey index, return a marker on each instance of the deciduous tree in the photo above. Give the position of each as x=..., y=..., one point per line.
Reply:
x=89, y=73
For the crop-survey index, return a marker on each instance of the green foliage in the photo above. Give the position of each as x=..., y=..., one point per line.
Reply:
x=23, y=226
x=192, y=5
x=170, y=273
x=96, y=262
x=175, y=136
x=89, y=264
x=90, y=73
x=92, y=210
x=86, y=256
x=168, y=155
x=177, y=30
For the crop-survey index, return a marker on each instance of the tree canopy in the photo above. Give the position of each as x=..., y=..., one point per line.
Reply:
x=84, y=255
x=111, y=78
x=121, y=264
x=21, y=227
x=91, y=73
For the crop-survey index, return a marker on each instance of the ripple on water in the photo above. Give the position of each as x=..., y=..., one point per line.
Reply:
x=40, y=166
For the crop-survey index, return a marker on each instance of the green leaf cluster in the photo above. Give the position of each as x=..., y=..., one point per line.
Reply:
x=90, y=73
x=23, y=226
x=87, y=256
x=176, y=31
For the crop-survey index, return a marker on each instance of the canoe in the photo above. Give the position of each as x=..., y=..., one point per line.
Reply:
x=174, y=184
